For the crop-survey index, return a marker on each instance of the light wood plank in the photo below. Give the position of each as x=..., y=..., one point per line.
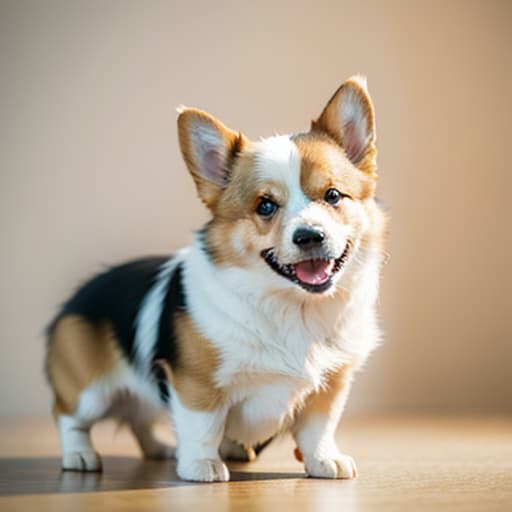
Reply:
x=404, y=464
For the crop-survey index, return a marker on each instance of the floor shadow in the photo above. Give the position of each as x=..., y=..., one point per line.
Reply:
x=43, y=475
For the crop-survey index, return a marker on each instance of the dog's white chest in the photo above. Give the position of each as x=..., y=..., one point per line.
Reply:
x=260, y=412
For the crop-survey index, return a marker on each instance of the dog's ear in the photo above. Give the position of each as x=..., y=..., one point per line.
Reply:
x=208, y=148
x=349, y=119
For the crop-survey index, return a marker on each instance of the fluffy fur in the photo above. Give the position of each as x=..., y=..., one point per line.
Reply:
x=255, y=329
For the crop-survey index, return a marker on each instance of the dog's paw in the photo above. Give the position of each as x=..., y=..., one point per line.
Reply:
x=339, y=466
x=81, y=461
x=203, y=470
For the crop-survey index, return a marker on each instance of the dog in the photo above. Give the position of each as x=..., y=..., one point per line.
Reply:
x=255, y=329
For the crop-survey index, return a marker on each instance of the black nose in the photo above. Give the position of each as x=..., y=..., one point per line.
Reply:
x=309, y=237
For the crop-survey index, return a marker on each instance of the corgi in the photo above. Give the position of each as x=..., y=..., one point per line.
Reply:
x=255, y=329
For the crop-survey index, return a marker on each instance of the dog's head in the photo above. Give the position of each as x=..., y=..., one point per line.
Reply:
x=295, y=209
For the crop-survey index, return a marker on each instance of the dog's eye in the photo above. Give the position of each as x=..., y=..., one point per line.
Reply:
x=266, y=207
x=332, y=196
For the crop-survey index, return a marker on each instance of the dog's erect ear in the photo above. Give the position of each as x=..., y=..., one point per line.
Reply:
x=349, y=119
x=208, y=148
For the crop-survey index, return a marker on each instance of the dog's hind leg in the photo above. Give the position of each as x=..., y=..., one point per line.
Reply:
x=84, y=366
x=78, y=453
x=150, y=445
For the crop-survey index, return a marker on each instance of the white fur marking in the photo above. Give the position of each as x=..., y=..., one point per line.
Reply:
x=97, y=399
x=279, y=160
x=254, y=418
x=122, y=394
x=322, y=457
x=198, y=436
x=148, y=317
x=77, y=451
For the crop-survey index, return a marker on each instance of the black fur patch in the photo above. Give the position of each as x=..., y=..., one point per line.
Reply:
x=166, y=343
x=258, y=448
x=161, y=380
x=202, y=235
x=115, y=296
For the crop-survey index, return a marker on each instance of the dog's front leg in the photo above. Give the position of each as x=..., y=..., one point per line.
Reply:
x=198, y=437
x=315, y=427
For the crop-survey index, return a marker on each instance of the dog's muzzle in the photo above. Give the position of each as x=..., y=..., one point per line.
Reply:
x=315, y=275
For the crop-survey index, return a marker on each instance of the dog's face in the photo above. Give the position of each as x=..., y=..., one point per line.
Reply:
x=292, y=210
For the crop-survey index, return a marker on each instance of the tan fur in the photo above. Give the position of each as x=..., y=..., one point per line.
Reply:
x=78, y=353
x=329, y=121
x=377, y=236
x=193, y=377
x=339, y=152
x=322, y=401
x=324, y=165
x=233, y=143
x=236, y=227
x=236, y=235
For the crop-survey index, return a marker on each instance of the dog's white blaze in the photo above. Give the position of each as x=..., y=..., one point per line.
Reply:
x=278, y=159
x=313, y=214
x=148, y=318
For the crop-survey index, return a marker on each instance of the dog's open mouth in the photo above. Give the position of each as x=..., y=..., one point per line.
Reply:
x=314, y=275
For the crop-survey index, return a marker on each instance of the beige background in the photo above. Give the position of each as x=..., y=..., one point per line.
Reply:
x=91, y=174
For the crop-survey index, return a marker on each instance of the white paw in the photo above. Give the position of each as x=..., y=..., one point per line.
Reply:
x=81, y=461
x=203, y=470
x=159, y=451
x=339, y=466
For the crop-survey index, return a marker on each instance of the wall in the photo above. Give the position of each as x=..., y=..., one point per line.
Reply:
x=90, y=170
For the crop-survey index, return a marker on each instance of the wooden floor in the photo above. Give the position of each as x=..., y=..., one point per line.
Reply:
x=456, y=464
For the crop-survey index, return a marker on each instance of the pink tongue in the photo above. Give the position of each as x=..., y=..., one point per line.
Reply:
x=314, y=271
